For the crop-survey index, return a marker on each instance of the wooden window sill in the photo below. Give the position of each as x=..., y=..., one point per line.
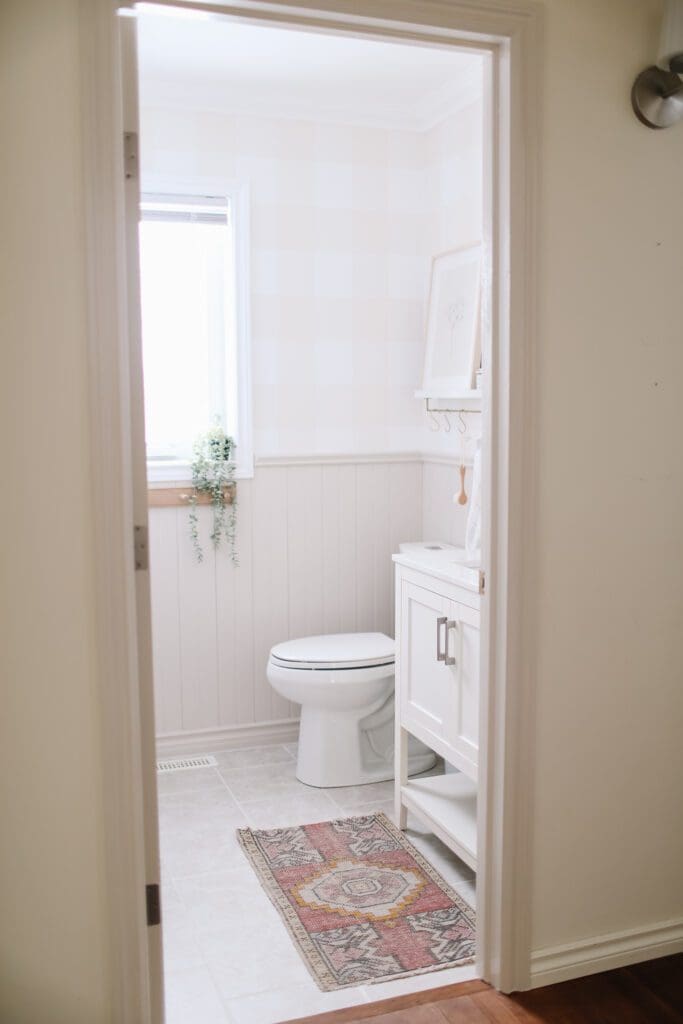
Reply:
x=169, y=497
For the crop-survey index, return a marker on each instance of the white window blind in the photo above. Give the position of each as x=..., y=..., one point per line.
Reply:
x=188, y=304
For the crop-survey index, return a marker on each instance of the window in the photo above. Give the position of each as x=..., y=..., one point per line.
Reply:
x=193, y=288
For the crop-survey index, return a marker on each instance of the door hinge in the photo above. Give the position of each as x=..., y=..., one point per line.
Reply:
x=482, y=581
x=153, y=904
x=141, y=547
x=130, y=155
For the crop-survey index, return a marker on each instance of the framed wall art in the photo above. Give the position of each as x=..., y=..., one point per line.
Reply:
x=453, y=334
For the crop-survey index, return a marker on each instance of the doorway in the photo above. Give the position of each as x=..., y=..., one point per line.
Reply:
x=303, y=195
x=489, y=317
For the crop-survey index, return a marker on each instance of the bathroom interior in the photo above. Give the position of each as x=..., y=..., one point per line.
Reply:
x=341, y=178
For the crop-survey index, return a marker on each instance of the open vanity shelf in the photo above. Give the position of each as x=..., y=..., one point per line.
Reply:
x=448, y=805
x=438, y=598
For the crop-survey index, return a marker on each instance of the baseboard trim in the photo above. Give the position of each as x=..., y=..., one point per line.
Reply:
x=605, y=953
x=206, y=741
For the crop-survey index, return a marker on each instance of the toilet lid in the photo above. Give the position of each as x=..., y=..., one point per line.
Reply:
x=336, y=650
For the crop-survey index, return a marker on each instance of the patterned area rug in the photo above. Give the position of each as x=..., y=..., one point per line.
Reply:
x=360, y=902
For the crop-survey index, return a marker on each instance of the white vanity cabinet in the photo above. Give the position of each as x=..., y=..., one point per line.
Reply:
x=437, y=694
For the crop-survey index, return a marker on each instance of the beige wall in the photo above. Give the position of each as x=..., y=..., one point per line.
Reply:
x=608, y=843
x=609, y=760
x=53, y=964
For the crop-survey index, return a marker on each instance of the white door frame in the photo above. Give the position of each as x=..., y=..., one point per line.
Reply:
x=510, y=30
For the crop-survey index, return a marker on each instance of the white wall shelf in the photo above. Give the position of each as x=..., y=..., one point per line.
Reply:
x=469, y=404
x=442, y=397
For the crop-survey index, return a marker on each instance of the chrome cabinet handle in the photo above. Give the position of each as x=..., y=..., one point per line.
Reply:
x=442, y=621
x=447, y=658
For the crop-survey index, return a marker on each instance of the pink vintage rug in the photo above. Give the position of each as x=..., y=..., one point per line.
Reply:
x=360, y=902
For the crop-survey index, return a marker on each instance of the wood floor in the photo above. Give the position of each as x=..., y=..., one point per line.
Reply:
x=649, y=993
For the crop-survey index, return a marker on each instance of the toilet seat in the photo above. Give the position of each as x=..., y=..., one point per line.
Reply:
x=335, y=651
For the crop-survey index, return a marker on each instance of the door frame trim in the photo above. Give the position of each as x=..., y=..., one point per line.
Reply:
x=116, y=612
x=511, y=31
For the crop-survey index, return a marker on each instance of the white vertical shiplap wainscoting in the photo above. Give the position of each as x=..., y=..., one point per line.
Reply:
x=315, y=539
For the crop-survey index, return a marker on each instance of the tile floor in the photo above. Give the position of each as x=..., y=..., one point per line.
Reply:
x=227, y=956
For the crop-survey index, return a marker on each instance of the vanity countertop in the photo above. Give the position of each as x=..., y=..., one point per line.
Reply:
x=449, y=564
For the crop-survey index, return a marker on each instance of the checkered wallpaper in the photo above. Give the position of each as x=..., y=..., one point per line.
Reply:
x=344, y=222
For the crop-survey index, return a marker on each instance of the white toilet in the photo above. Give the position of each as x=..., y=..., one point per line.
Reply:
x=345, y=685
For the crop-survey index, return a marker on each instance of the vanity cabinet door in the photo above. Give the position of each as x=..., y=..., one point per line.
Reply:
x=437, y=673
x=425, y=682
x=462, y=727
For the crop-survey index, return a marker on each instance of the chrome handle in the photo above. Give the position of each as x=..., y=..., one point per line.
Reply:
x=450, y=624
x=442, y=621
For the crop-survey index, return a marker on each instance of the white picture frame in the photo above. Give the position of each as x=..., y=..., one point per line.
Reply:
x=453, y=332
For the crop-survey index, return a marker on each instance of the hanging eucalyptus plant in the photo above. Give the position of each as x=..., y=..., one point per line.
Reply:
x=213, y=473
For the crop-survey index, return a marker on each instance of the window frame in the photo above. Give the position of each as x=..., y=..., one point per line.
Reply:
x=236, y=196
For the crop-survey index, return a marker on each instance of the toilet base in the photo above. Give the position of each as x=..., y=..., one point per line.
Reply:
x=335, y=750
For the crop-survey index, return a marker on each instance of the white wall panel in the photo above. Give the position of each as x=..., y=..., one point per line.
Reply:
x=228, y=600
x=165, y=580
x=382, y=582
x=270, y=581
x=339, y=533
x=364, y=550
x=314, y=546
x=243, y=611
x=442, y=519
x=197, y=631
x=331, y=520
x=405, y=488
x=305, y=550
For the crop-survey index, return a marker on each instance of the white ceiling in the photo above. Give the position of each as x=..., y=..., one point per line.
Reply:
x=217, y=64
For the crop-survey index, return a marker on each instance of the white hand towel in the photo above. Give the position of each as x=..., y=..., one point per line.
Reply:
x=473, y=530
